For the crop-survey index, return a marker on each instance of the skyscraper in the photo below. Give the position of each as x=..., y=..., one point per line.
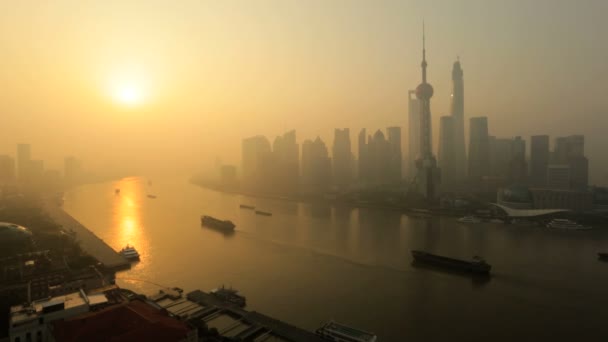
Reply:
x=24, y=158
x=460, y=158
x=286, y=162
x=395, y=156
x=518, y=166
x=570, y=151
x=363, y=161
x=316, y=165
x=447, y=155
x=539, y=159
x=256, y=161
x=427, y=164
x=479, y=149
x=413, y=133
x=342, y=157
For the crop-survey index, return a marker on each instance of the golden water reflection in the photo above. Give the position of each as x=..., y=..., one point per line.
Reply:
x=127, y=224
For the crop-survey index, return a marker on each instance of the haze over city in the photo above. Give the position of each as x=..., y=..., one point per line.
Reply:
x=146, y=86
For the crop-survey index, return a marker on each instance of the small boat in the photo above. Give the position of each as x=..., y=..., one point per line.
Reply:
x=243, y=206
x=334, y=331
x=602, y=256
x=477, y=265
x=129, y=253
x=212, y=222
x=264, y=213
x=229, y=295
x=469, y=219
x=152, y=196
x=116, y=191
x=566, y=225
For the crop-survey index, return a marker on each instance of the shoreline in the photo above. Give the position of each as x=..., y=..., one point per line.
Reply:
x=89, y=242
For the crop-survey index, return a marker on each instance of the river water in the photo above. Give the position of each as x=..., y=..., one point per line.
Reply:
x=310, y=263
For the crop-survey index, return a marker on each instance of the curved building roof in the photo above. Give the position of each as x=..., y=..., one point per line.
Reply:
x=6, y=227
x=529, y=212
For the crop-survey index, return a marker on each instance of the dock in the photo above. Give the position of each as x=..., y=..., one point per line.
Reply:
x=89, y=242
x=240, y=324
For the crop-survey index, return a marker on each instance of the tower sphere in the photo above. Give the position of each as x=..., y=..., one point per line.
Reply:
x=424, y=91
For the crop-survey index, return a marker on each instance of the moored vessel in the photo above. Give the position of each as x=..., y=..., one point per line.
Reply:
x=263, y=213
x=129, y=253
x=334, y=331
x=566, y=224
x=244, y=206
x=469, y=219
x=476, y=265
x=212, y=222
x=230, y=295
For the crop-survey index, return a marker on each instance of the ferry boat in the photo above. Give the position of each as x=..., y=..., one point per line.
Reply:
x=129, y=253
x=244, y=206
x=469, y=219
x=334, y=331
x=566, y=224
x=264, y=213
x=212, y=222
x=477, y=265
x=229, y=295
x=602, y=256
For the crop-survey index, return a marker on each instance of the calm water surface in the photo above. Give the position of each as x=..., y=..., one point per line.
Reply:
x=310, y=263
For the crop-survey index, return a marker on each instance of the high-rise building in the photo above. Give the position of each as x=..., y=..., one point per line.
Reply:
x=570, y=151
x=499, y=157
x=379, y=159
x=413, y=133
x=539, y=159
x=447, y=155
x=316, y=165
x=518, y=166
x=479, y=153
x=256, y=161
x=460, y=157
x=363, y=161
x=342, y=157
x=558, y=176
x=7, y=170
x=24, y=157
x=285, y=162
x=428, y=174
x=395, y=156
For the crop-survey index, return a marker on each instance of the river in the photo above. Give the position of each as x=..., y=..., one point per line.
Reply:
x=310, y=263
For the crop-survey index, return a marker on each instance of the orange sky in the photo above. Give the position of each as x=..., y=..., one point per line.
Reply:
x=212, y=72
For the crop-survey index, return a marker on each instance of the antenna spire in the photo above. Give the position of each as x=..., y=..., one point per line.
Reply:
x=423, y=65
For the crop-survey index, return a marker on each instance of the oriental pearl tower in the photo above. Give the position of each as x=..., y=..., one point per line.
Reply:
x=428, y=174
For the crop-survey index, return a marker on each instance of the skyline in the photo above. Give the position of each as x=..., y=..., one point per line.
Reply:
x=353, y=69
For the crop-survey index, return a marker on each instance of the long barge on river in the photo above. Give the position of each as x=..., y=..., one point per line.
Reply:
x=477, y=265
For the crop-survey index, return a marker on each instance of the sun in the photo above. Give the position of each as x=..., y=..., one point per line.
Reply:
x=129, y=94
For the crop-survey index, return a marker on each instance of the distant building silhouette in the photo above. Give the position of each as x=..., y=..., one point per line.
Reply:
x=570, y=151
x=558, y=176
x=72, y=170
x=395, y=155
x=363, y=160
x=228, y=175
x=316, y=166
x=539, y=160
x=413, y=133
x=342, y=158
x=256, y=162
x=518, y=166
x=24, y=157
x=380, y=159
x=460, y=158
x=499, y=157
x=447, y=146
x=286, y=162
x=7, y=170
x=479, y=153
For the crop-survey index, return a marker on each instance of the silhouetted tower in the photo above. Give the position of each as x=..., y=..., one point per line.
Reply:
x=458, y=114
x=426, y=162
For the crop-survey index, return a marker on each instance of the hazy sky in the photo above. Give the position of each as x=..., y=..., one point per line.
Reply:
x=212, y=72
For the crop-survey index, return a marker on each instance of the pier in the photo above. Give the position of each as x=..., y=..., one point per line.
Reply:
x=89, y=242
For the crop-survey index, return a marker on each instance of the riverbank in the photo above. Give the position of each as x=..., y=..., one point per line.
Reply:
x=89, y=242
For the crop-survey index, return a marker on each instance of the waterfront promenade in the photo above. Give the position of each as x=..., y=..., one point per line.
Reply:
x=89, y=242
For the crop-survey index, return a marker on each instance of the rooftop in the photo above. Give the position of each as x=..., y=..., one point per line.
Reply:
x=135, y=321
x=22, y=313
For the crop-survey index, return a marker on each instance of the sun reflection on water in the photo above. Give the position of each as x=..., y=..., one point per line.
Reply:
x=127, y=216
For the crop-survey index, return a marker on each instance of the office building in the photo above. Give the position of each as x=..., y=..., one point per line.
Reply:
x=342, y=158
x=479, y=153
x=539, y=160
x=447, y=154
x=256, y=162
x=395, y=155
x=457, y=108
x=316, y=165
